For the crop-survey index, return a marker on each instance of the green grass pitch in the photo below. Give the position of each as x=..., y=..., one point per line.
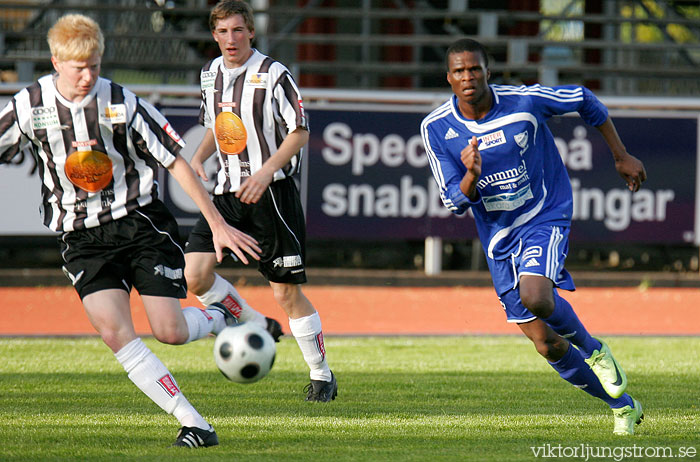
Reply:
x=400, y=398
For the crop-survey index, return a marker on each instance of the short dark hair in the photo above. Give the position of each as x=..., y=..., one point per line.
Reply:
x=469, y=45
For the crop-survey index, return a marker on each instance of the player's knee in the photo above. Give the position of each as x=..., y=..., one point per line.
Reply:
x=170, y=338
x=116, y=339
x=285, y=295
x=539, y=304
x=171, y=334
x=195, y=280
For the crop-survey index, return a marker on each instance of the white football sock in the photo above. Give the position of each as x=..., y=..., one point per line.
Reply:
x=200, y=323
x=223, y=292
x=151, y=376
x=309, y=335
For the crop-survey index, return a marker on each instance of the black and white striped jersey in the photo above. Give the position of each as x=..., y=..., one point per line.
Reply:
x=110, y=127
x=264, y=95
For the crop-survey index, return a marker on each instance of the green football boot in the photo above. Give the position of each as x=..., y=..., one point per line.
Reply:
x=627, y=417
x=608, y=371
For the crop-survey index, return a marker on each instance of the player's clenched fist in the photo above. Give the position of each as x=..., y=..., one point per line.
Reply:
x=471, y=157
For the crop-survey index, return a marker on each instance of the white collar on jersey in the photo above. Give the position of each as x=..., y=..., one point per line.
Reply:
x=80, y=104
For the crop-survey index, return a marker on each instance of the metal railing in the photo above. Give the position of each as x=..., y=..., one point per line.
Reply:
x=150, y=43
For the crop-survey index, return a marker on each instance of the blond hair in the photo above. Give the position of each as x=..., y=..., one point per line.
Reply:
x=75, y=37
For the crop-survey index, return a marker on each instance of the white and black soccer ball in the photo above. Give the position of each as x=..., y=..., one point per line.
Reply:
x=244, y=352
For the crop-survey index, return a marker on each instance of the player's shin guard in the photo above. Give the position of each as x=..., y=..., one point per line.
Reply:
x=151, y=376
x=572, y=368
x=200, y=323
x=565, y=323
x=223, y=292
x=309, y=335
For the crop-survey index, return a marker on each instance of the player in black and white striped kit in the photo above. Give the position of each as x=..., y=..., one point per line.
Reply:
x=254, y=188
x=98, y=148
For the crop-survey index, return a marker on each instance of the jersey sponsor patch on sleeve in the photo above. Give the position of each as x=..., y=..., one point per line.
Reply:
x=172, y=133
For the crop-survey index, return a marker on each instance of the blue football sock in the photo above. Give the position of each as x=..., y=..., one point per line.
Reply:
x=572, y=368
x=565, y=323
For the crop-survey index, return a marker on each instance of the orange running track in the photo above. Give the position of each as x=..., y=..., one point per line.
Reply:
x=352, y=310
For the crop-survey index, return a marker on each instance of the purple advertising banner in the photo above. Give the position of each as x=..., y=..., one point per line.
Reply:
x=369, y=179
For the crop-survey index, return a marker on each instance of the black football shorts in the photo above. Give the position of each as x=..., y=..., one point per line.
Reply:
x=276, y=221
x=140, y=250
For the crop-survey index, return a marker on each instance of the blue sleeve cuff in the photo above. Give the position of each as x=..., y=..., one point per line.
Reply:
x=462, y=202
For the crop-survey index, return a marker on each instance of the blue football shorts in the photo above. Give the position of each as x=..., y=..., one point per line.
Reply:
x=541, y=252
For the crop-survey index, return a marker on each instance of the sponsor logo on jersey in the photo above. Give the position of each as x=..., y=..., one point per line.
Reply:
x=227, y=104
x=491, y=140
x=168, y=384
x=114, y=114
x=505, y=179
x=172, y=133
x=82, y=144
x=207, y=80
x=257, y=80
x=507, y=202
x=89, y=170
x=44, y=117
x=451, y=134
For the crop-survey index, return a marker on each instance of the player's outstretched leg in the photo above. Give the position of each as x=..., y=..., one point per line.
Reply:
x=572, y=367
x=566, y=323
x=151, y=376
x=224, y=294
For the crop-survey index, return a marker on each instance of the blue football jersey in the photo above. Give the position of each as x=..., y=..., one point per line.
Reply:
x=523, y=180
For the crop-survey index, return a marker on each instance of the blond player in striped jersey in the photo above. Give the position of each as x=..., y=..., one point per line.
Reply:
x=98, y=148
x=256, y=123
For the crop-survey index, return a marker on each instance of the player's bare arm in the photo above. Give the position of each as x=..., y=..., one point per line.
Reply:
x=629, y=167
x=254, y=186
x=204, y=151
x=224, y=235
x=472, y=160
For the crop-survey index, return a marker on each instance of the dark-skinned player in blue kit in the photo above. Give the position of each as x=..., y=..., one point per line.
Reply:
x=490, y=151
